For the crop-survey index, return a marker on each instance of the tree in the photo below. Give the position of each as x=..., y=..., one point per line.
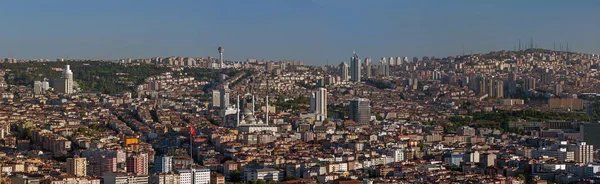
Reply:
x=378, y=117
x=288, y=178
x=236, y=176
x=522, y=177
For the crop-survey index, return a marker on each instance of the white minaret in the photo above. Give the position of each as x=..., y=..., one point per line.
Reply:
x=267, y=114
x=67, y=76
x=253, y=106
x=221, y=57
x=238, y=111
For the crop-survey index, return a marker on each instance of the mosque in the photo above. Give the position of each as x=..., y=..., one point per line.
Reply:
x=246, y=120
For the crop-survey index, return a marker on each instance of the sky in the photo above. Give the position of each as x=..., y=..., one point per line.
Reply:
x=317, y=32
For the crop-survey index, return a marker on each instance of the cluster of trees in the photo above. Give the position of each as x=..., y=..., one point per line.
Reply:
x=292, y=104
x=207, y=73
x=503, y=117
x=380, y=84
x=105, y=77
x=595, y=110
x=306, y=85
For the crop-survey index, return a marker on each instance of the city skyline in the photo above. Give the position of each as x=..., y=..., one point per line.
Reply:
x=311, y=31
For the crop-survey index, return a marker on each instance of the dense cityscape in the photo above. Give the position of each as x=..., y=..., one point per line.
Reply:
x=521, y=116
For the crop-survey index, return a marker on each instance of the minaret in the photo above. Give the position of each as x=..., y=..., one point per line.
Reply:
x=253, y=106
x=267, y=113
x=238, y=111
x=221, y=66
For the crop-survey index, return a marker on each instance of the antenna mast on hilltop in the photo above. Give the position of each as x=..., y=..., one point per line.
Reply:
x=530, y=43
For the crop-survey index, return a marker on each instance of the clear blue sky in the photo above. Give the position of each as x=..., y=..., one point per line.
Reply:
x=312, y=31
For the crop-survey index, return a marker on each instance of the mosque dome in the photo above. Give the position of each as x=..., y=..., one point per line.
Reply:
x=250, y=119
x=247, y=112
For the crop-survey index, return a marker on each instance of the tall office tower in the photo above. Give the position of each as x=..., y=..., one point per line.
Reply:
x=511, y=82
x=529, y=84
x=584, y=153
x=221, y=64
x=344, y=71
x=368, y=61
x=558, y=88
x=368, y=70
x=194, y=176
x=405, y=60
x=360, y=110
x=415, y=59
x=498, y=89
x=163, y=164
x=224, y=96
x=138, y=164
x=313, y=102
x=319, y=101
x=216, y=98
x=391, y=61
x=481, y=85
x=67, y=77
x=588, y=132
x=355, y=68
x=473, y=82
x=76, y=167
x=383, y=60
x=398, y=60
x=489, y=87
x=546, y=77
x=385, y=69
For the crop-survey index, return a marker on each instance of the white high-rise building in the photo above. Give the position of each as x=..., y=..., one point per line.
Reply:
x=368, y=67
x=67, y=77
x=319, y=102
x=398, y=155
x=344, y=71
x=405, y=60
x=391, y=61
x=262, y=174
x=355, y=68
x=584, y=153
x=216, y=98
x=194, y=176
x=383, y=60
x=163, y=164
x=38, y=87
x=368, y=61
x=224, y=96
x=398, y=60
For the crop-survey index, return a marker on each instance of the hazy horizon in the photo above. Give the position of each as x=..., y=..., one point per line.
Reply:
x=311, y=31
